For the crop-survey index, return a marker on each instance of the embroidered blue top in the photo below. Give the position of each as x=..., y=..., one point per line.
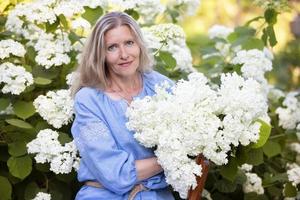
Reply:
x=108, y=149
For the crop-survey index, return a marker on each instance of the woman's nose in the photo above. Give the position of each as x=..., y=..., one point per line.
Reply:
x=123, y=53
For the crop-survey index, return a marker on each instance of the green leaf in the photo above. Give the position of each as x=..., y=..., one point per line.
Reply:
x=242, y=155
x=264, y=133
x=272, y=37
x=23, y=109
x=225, y=186
x=52, y=27
x=19, y=123
x=168, y=59
x=20, y=167
x=290, y=190
x=229, y=171
x=63, y=21
x=4, y=103
x=255, y=157
x=253, y=43
x=64, y=138
x=42, y=81
x=31, y=190
x=271, y=16
x=73, y=37
x=271, y=149
x=5, y=188
x=134, y=14
x=92, y=14
x=30, y=53
x=17, y=148
x=265, y=36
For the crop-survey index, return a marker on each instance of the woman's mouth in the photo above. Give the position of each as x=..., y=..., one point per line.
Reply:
x=125, y=64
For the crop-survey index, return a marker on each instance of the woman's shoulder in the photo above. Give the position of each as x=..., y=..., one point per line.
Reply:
x=87, y=95
x=155, y=77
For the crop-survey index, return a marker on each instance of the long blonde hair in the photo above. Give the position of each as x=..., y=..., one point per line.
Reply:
x=92, y=70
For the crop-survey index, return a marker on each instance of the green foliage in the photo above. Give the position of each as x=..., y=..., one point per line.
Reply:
x=92, y=14
x=255, y=157
x=271, y=149
x=20, y=167
x=5, y=188
x=264, y=133
x=19, y=123
x=229, y=171
x=290, y=190
x=23, y=109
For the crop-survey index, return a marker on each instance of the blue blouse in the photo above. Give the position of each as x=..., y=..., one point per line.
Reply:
x=108, y=149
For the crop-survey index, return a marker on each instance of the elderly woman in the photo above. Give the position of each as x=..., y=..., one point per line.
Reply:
x=115, y=69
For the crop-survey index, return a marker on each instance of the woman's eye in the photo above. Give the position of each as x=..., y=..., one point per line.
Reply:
x=130, y=43
x=112, y=48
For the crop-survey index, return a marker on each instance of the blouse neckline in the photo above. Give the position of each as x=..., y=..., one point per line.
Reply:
x=124, y=100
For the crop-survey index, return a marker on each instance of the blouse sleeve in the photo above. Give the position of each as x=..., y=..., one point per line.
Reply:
x=112, y=167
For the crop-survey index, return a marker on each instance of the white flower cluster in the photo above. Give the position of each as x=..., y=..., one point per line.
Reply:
x=11, y=47
x=293, y=173
x=55, y=107
x=62, y=158
x=219, y=31
x=196, y=119
x=253, y=182
x=71, y=78
x=15, y=78
x=185, y=7
x=254, y=64
x=52, y=50
x=170, y=38
x=42, y=196
x=147, y=9
x=289, y=115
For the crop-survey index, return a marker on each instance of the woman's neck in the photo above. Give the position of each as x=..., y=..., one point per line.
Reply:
x=129, y=85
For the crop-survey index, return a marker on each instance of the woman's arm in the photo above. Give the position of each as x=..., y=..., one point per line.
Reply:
x=147, y=168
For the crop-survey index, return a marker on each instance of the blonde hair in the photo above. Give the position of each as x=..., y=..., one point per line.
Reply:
x=92, y=70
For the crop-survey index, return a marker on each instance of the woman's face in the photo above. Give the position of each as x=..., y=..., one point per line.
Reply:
x=122, y=53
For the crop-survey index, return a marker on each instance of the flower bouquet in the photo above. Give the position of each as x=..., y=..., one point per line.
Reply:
x=196, y=117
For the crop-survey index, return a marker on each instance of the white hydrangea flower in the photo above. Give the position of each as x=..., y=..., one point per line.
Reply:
x=46, y=146
x=219, y=31
x=185, y=7
x=246, y=167
x=15, y=78
x=68, y=8
x=289, y=115
x=52, y=51
x=186, y=122
x=81, y=23
x=253, y=184
x=55, y=107
x=275, y=93
x=295, y=147
x=71, y=78
x=293, y=173
x=95, y=3
x=170, y=38
x=10, y=46
x=254, y=64
x=62, y=158
x=42, y=196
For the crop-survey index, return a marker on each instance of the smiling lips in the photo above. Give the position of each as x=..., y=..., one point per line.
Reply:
x=125, y=64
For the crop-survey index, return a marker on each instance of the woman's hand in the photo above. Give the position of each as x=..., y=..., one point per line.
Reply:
x=147, y=168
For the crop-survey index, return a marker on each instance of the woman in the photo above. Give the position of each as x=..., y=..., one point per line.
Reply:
x=115, y=69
